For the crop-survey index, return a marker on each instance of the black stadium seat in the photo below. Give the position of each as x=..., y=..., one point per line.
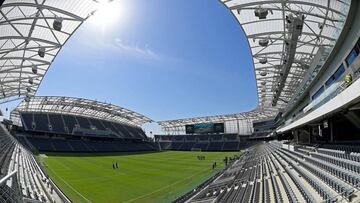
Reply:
x=83, y=122
x=57, y=123
x=70, y=122
x=27, y=119
x=41, y=122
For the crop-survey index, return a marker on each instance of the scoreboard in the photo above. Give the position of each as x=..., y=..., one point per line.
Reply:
x=204, y=128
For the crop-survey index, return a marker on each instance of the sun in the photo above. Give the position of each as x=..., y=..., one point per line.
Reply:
x=109, y=13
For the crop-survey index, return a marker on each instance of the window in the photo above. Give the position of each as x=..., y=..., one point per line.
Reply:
x=351, y=57
x=339, y=72
x=353, y=54
x=318, y=93
x=330, y=81
x=335, y=76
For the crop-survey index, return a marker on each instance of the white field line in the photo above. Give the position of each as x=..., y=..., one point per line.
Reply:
x=148, y=194
x=69, y=185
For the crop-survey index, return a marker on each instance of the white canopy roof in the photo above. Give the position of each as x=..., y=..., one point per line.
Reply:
x=79, y=107
x=284, y=38
x=256, y=114
x=26, y=26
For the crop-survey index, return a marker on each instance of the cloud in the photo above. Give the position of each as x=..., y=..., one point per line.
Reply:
x=125, y=50
x=138, y=51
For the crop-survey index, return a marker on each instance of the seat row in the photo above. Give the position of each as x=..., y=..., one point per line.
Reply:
x=30, y=181
x=271, y=172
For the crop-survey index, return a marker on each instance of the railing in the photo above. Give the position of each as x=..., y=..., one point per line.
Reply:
x=55, y=188
x=353, y=69
x=327, y=95
x=192, y=194
x=7, y=177
x=9, y=191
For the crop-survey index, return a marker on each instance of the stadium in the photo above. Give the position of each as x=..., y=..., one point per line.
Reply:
x=301, y=143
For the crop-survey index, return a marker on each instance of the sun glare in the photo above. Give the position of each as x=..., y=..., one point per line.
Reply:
x=109, y=13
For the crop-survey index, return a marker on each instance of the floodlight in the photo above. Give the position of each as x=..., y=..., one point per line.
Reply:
x=263, y=60
x=41, y=52
x=320, y=25
x=263, y=42
x=261, y=13
x=57, y=24
x=34, y=69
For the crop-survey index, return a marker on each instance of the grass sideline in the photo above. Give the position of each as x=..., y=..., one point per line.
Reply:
x=141, y=177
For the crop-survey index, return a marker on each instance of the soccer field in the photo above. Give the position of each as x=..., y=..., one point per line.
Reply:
x=141, y=177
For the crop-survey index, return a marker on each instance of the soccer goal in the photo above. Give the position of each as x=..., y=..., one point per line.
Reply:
x=196, y=149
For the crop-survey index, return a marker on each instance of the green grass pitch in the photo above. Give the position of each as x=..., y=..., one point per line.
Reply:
x=141, y=177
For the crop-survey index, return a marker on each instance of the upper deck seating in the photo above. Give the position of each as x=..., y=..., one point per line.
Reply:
x=97, y=124
x=70, y=122
x=41, y=122
x=57, y=123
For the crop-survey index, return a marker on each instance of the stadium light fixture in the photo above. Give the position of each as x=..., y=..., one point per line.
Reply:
x=57, y=24
x=41, y=52
x=264, y=73
x=263, y=60
x=263, y=42
x=34, y=69
x=261, y=13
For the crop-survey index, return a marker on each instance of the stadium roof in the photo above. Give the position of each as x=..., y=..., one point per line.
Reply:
x=257, y=114
x=79, y=107
x=289, y=42
x=285, y=37
x=32, y=34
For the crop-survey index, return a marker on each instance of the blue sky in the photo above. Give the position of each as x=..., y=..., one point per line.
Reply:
x=165, y=59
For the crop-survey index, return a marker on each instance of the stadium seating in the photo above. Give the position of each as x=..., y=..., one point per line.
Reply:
x=277, y=172
x=211, y=142
x=41, y=144
x=231, y=146
x=266, y=172
x=80, y=134
x=97, y=124
x=201, y=145
x=70, y=122
x=83, y=122
x=29, y=184
x=215, y=146
x=61, y=144
x=80, y=126
x=57, y=123
x=41, y=122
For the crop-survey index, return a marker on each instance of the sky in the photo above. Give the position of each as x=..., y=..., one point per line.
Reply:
x=165, y=59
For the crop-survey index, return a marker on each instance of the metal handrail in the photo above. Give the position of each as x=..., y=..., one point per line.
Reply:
x=8, y=176
x=336, y=92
